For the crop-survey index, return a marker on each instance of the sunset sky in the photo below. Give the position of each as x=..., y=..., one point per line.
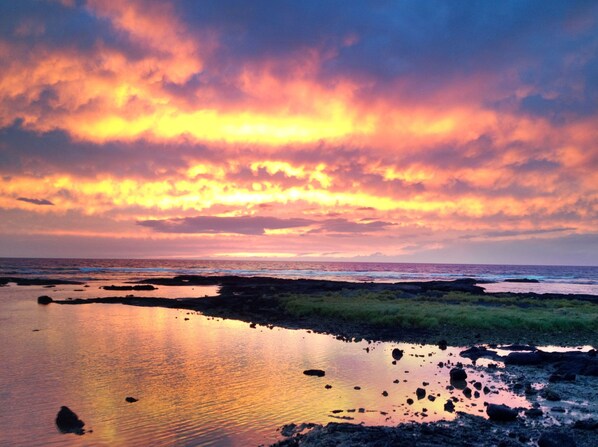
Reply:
x=416, y=131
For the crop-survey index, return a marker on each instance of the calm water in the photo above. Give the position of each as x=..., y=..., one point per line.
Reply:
x=199, y=381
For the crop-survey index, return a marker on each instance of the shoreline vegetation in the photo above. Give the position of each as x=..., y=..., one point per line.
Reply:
x=458, y=313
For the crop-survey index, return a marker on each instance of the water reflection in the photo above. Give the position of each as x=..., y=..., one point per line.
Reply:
x=205, y=381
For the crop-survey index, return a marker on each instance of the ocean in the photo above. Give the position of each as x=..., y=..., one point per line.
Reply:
x=551, y=279
x=214, y=382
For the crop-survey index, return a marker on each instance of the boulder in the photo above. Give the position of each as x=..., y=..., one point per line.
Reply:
x=420, y=393
x=314, y=372
x=44, y=299
x=397, y=353
x=449, y=406
x=501, y=413
x=68, y=422
x=458, y=374
x=551, y=395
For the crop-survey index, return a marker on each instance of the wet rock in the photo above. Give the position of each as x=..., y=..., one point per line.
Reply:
x=555, y=438
x=68, y=422
x=523, y=358
x=327, y=386
x=533, y=413
x=131, y=399
x=397, y=353
x=314, y=372
x=44, y=299
x=569, y=377
x=442, y=344
x=477, y=385
x=420, y=393
x=551, y=395
x=410, y=401
x=458, y=374
x=467, y=392
x=288, y=430
x=475, y=352
x=385, y=393
x=501, y=413
x=431, y=398
x=586, y=424
x=449, y=406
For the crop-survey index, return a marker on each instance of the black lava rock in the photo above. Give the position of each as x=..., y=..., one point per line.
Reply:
x=68, y=422
x=449, y=406
x=44, y=299
x=397, y=353
x=458, y=374
x=314, y=372
x=523, y=358
x=501, y=413
x=555, y=438
x=420, y=393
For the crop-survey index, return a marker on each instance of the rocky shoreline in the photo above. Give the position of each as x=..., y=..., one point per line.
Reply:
x=561, y=387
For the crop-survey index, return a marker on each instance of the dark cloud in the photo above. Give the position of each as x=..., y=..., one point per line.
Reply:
x=427, y=43
x=25, y=151
x=254, y=225
x=35, y=201
x=344, y=226
x=53, y=25
x=514, y=233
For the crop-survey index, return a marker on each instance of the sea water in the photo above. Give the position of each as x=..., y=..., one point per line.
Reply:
x=200, y=380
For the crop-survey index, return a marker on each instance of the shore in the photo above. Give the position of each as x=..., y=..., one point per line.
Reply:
x=459, y=313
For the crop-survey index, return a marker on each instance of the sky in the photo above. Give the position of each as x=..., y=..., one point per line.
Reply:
x=409, y=131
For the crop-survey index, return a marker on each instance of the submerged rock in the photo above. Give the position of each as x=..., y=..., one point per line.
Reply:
x=314, y=372
x=501, y=413
x=68, y=422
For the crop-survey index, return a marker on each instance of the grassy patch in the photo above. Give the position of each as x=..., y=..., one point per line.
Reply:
x=485, y=313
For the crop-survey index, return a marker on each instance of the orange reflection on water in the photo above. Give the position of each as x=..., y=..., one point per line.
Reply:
x=207, y=381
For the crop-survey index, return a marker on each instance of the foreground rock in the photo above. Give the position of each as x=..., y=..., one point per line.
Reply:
x=466, y=430
x=44, y=299
x=501, y=413
x=68, y=422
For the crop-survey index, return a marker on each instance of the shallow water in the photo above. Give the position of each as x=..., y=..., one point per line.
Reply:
x=199, y=380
